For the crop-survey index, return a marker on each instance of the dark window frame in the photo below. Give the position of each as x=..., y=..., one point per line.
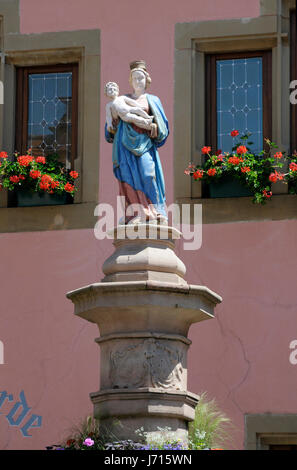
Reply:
x=293, y=76
x=22, y=88
x=210, y=80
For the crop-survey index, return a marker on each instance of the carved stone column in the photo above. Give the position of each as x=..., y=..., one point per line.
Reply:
x=144, y=308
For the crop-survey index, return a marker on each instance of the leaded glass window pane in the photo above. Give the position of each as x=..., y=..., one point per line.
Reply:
x=239, y=93
x=50, y=114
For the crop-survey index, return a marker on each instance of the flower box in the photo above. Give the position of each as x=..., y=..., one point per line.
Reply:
x=37, y=181
x=30, y=199
x=243, y=173
x=228, y=187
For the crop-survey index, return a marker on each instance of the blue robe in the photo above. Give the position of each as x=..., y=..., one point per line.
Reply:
x=136, y=161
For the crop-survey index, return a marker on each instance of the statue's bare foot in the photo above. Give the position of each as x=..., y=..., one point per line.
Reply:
x=136, y=220
x=162, y=220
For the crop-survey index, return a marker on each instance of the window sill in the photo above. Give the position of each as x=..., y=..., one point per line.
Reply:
x=242, y=209
x=41, y=218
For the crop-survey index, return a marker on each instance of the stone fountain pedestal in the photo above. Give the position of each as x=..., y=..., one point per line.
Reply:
x=144, y=309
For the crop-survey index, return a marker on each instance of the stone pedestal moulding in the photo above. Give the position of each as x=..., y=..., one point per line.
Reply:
x=144, y=308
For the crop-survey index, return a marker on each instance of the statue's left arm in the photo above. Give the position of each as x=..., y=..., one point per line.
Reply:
x=160, y=119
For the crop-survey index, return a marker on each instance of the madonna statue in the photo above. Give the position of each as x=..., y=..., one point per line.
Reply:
x=136, y=162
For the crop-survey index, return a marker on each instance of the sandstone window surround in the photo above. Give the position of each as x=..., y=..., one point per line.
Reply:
x=193, y=42
x=264, y=431
x=46, y=111
x=28, y=50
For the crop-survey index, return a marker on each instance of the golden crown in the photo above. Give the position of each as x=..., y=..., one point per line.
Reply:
x=138, y=64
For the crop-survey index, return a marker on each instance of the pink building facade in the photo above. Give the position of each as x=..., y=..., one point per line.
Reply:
x=244, y=357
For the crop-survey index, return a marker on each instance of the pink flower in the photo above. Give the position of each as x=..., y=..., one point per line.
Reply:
x=88, y=442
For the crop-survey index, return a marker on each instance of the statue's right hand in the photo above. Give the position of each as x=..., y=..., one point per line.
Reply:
x=154, y=130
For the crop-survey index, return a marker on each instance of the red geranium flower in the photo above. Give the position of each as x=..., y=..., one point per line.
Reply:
x=46, y=179
x=55, y=184
x=73, y=174
x=241, y=149
x=267, y=193
x=235, y=160
x=40, y=159
x=234, y=133
x=211, y=171
x=14, y=179
x=293, y=166
x=198, y=174
x=35, y=174
x=278, y=155
x=205, y=150
x=273, y=177
x=45, y=182
x=245, y=169
x=69, y=187
x=280, y=176
x=3, y=155
x=25, y=160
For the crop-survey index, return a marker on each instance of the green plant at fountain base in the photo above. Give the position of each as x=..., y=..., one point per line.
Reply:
x=210, y=430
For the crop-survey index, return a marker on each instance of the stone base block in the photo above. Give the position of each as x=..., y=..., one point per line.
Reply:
x=143, y=360
x=145, y=276
x=124, y=428
x=144, y=253
x=121, y=412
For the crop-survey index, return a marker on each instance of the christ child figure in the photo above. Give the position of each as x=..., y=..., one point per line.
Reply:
x=124, y=108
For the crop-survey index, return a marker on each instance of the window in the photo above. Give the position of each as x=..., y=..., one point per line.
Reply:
x=197, y=44
x=269, y=431
x=238, y=96
x=66, y=54
x=46, y=111
x=46, y=118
